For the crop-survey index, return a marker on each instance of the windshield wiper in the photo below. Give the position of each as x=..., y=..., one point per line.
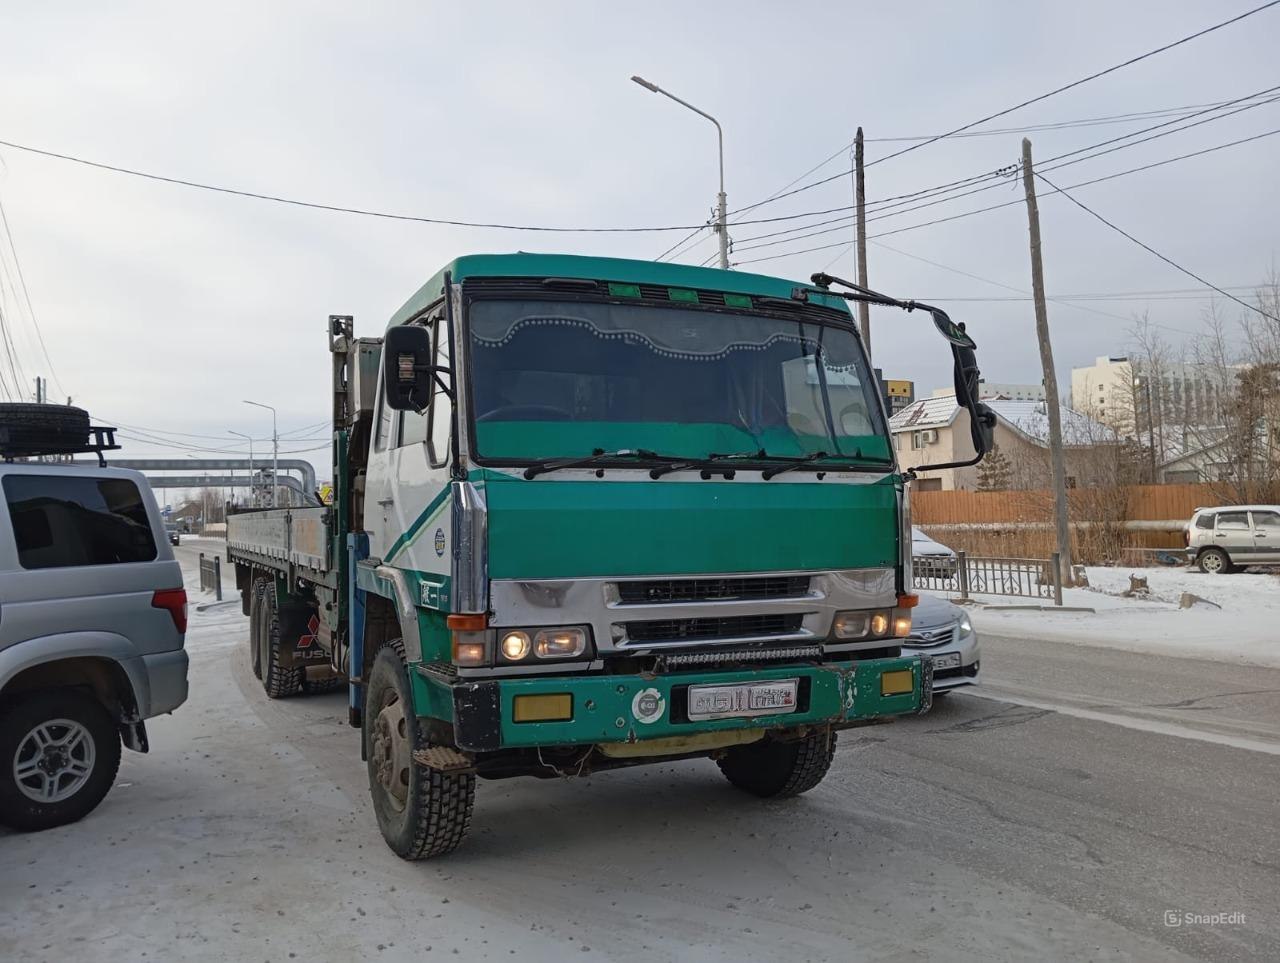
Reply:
x=792, y=464
x=597, y=456
x=710, y=459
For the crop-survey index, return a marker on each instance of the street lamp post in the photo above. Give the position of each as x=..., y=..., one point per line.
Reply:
x=275, y=451
x=248, y=438
x=722, y=212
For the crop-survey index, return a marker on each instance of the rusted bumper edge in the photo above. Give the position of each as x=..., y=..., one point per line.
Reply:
x=628, y=708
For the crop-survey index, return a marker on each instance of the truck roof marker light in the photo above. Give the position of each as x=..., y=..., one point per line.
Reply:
x=682, y=294
x=624, y=290
x=737, y=301
x=459, y=622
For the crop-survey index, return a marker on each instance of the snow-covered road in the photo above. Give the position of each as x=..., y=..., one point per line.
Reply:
x=983, y=831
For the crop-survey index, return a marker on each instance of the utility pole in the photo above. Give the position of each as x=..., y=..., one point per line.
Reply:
x=1060, y=518
x=860, y=199
x=275, y=452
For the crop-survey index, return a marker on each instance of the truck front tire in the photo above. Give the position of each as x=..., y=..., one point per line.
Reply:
x=59, y=752
x=421, y=811
x=775, y=769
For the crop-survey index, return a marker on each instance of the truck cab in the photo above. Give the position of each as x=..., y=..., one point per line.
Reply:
x=592, y=513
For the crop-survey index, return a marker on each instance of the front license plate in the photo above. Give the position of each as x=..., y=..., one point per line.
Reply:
x=949, y=661
x=745, y=699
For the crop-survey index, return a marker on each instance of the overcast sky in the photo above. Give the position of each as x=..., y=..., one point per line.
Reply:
x=162, y=307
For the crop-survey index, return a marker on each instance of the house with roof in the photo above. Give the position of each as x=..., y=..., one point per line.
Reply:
x=936, y=431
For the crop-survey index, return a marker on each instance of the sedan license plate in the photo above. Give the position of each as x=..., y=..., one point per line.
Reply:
x=745, y=699
x=949, y=661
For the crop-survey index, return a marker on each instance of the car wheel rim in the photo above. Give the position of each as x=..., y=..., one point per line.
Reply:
x=1212, y=563
x=54, y=761
x=391, y=753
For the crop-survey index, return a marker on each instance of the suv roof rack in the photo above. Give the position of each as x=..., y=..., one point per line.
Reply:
x=17, y=443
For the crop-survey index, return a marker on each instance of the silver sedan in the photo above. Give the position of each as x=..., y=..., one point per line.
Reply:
x=942, y=631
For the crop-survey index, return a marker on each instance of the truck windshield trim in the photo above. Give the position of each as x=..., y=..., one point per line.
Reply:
x=566, y=376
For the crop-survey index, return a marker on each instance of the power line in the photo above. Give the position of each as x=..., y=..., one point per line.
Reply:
x=26, y=295
x=882, y=210
x=1008, y=110
x=996, y=207
x=1151, y=250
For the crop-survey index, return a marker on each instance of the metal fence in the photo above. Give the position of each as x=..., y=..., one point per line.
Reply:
x=211, y=574
x=967, y=575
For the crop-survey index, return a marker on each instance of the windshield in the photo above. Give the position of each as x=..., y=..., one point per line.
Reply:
x=557, y=379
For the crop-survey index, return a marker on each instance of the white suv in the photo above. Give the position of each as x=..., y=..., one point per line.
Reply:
x=93, y=616
x=1220, y=539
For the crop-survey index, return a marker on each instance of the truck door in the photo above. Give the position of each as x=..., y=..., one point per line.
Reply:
x=419, y=478
x=379, y=513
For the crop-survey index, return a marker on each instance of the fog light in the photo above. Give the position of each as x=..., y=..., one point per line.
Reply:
x=560, y=643
x=880, y=624
x=897, y=682
x=849, y=625
x=515, y=646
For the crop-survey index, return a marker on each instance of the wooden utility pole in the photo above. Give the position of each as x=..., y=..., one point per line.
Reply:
x=860, y=200
x=1060, y=517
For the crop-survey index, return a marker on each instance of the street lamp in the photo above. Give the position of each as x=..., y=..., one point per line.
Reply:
x=275, y=450
x=248, y=438
x=722, y=213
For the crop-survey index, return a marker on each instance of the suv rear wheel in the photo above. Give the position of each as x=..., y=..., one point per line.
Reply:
x=59, y=752
x=1214, y=561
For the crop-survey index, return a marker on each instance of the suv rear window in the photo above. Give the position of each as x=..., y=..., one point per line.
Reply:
x=1204, y=520
x=64, y=520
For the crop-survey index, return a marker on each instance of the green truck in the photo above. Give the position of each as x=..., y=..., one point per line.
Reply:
x=591, y=513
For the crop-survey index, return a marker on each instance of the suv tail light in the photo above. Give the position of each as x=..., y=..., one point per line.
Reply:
x=175, y=600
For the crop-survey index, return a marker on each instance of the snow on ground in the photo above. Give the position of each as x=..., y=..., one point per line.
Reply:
x=1245, y=630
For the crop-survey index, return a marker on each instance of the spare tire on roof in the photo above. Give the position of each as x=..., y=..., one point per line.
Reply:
x=28, y=425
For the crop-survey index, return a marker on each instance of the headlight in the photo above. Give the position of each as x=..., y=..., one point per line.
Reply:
x=528, y=645
x=966, y=627
x=863, y=625
x=560, y=643
x=515, y=646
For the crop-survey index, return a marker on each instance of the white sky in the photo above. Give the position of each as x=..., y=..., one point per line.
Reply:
x=162, y=307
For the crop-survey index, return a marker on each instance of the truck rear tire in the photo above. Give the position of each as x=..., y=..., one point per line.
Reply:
x=278, y=681
x=776, y=770
x=255, y=627
x=59, y=753
x=421, y=811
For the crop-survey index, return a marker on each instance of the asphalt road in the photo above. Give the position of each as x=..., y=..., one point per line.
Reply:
x=1062, y=811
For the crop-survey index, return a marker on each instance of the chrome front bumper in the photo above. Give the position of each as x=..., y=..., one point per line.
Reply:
x=597, y=602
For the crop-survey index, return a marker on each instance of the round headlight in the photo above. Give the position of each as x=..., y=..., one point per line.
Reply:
x=880, y=623
x=515, y=646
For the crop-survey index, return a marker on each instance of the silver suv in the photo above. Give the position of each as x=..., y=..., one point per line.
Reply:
x=1220, y=539
x=92, y=621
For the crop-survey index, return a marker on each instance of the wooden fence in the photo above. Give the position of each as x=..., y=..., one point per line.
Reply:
x=1144, y=503
x=1106, y=523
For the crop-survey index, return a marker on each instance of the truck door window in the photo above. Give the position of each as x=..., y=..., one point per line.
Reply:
x=66, y=520
x=441, y=412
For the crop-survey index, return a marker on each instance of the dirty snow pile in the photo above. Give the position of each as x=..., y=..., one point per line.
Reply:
x=1246, y=629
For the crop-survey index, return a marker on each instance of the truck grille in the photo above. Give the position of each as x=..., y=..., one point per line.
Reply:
x=661, y=591
x=696, y=630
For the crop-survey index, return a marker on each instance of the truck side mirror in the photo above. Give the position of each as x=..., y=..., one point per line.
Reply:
x=407, y=367
x=982, y=420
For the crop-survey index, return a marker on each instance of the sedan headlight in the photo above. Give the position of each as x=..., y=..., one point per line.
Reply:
x=966, y=626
